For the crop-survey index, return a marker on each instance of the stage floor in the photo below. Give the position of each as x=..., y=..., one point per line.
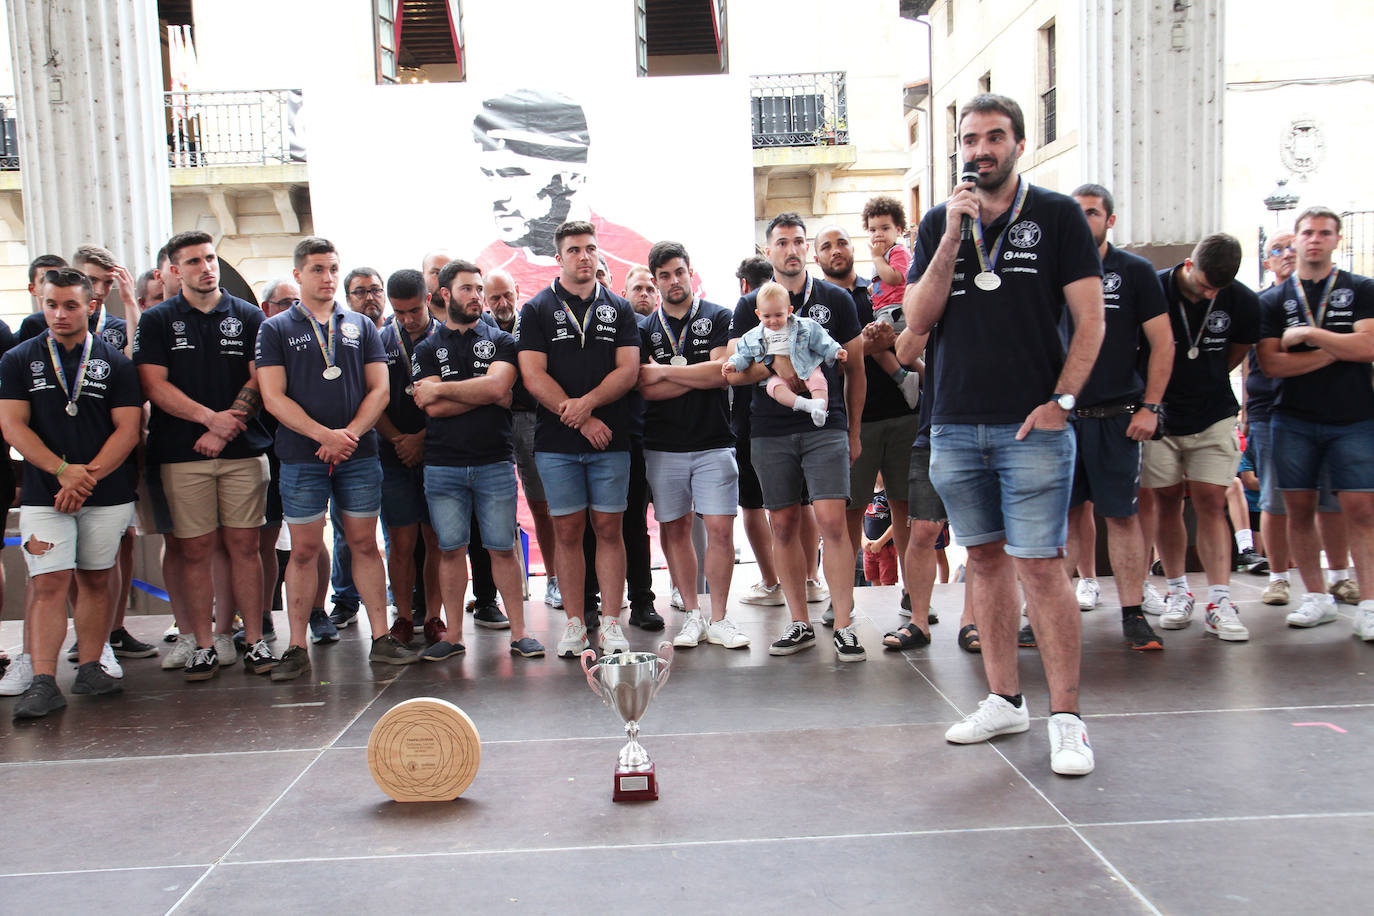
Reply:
x=1231, y=778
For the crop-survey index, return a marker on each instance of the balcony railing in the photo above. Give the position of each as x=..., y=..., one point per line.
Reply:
x=204, y=129
x=799, y=109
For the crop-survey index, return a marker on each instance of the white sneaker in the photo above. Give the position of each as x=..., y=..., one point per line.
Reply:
x=1364, y=626
x=225, y=649
x=181, y=652
x=1070, y=752
x=675, y=602
x=1152, y=603
x=692, y=632
x=910, y=386
x=994, y=716
x=768, y=595
x=552, y=596
x=1316, y=609
x=574, y=641
x=723, y=632
x=1089, y=594
x=612, y=637
x=1178, y=612
x=19, y=676
x=107, y=661
x=1222, y=620
x=816, y=591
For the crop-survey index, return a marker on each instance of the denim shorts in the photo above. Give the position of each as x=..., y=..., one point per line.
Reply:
x=403, y=497
x=705, y=481
x=791, y=467
x=574, y=481
x=997, y=488
x=454, y=494
x=1302, y=449
x=1266, y=468
x=307, y=487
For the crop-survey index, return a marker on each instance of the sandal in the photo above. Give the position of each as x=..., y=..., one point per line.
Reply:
x=907, y=636
x=969, y=641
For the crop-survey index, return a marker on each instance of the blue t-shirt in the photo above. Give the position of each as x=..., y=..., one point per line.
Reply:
x=478, y=436
x=292, y=340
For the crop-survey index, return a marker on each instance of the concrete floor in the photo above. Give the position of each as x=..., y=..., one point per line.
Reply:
x=788, y=784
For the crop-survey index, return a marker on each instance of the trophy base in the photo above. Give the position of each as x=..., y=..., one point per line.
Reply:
x=639, y=785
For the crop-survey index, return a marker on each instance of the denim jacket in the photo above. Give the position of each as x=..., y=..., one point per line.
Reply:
x=807, y=339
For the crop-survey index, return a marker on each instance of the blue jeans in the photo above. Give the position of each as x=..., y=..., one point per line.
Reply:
x=1303, y=450
x=575, y=480
x=1267, y=469
x=307, y=489
x=453, y=493
x=996, y=488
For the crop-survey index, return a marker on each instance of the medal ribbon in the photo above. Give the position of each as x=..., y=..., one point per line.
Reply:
x=315, y=326
x=1202, y=326
x=73, y=392
x=100, y=321
x=989, y=265
x=401, y=339
x=1321, y=304
x=580, y=328
x=678, y=342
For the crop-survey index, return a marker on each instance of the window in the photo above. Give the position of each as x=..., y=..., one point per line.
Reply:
x=1049, y=128
x=985, y=83
x=952, y=131
x=913, y=131
x=419, y=41
x=680, y=37
x=949, y=17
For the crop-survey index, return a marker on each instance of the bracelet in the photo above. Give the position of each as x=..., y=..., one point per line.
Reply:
x=60, y=468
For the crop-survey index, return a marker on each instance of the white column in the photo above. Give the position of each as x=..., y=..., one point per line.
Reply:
x=92, y=128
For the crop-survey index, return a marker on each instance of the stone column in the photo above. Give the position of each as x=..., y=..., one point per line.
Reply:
x=92, y=127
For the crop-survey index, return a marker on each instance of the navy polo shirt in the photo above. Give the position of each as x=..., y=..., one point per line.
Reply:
x=884, y=399
x=27, y=374
x=206, y=355
x=832, y=308
x=401, y=409
x=478, y=436
x=289, y=340
x=1340, y=392
x=1199, y=392
x=1132, y=296
x=520, y=398
x=699, y=419
x=1001, y=350
x=578, y=368
x=116, y=332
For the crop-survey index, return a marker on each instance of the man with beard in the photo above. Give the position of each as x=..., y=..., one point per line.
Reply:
x=793, y=458
x=463, y=375
x=1000, y=440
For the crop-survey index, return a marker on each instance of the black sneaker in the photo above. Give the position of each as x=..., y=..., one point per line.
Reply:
x=41, y=698
x=72, y=654
x=322, y=627
x=343, y=616
x=259, y=659
x=387, y=651
x=295, y=661
x=203, y=665
x=1026, y=638
x=645, y=617
x=1157, y=568
x=125, y=646
x=1138, y=633
x=847, y=647
x=798, y=636
x=92, y=679
x=487, y=614
x=1251, y=562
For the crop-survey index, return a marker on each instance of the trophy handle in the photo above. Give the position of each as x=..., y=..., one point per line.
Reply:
x=665, y=664
x=588, y=656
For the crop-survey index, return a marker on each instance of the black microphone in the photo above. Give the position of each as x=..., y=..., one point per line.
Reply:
x=970, y=174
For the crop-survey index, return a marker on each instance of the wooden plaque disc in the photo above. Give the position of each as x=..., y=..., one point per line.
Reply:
x=424, y=749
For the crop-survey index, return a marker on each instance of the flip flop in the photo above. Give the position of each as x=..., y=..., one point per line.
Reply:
x=969, y=641
x=908, y=636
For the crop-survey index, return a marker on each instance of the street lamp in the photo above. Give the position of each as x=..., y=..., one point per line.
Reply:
x=1279, y=200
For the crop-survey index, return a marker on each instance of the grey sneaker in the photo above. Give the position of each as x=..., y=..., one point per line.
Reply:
x=552, y=596
x=181, y=652
x=92, y=679
x=387, y=651
x=225, y=649
x=41, y=698
x=295, y=661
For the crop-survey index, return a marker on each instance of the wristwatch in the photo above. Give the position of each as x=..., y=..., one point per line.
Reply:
x=1066, y=402
x=1155, y=409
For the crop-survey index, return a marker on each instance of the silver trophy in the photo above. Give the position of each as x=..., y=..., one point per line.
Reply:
x=626, y=682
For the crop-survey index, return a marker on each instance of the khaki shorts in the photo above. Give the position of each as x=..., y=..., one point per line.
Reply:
x=214, y=493
x=1211, y=456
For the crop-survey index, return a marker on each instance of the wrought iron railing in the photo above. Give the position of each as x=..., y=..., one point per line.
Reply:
x=799, y=109
x=249, y=127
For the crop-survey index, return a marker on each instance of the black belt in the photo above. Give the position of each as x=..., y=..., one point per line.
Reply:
x=1103, y=411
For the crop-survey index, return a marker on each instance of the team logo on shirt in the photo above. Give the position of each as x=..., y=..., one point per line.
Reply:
x=441, y=354
x=37, y=367
x=819, y=313
x=98, y=369
x=1341, y=298
x=178, y=327
x=701, y=327
x=114, y=337
x=351, y=331
x=559, y=316
x=1111, y=282
x=483, y=349
x=656, y=338
x=605, y=314
x=1218, y=322
x=231, y=327
x=1024, y=234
